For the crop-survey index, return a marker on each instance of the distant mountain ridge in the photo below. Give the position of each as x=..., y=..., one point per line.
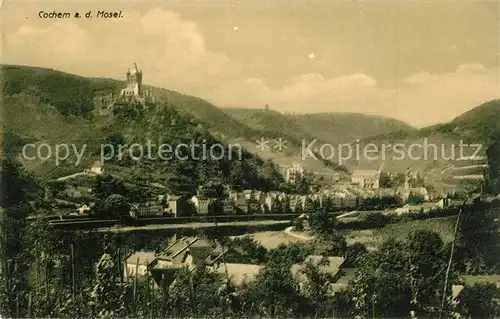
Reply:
x=329, y=127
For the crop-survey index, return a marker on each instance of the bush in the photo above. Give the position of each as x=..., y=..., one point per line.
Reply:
x=298, y=225
x=355, y=254
x=115, y=206
x=376, y=220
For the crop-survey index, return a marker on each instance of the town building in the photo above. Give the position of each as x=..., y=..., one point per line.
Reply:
x=294, y=173
x=178, y=206
x=146, y=209
x=369, y=179
x=228, y=207
x=241, y=206
x=204, y=205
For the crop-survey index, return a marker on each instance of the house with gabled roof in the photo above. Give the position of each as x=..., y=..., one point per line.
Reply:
x=188, y=252
x=238, y=274
x=138, y=263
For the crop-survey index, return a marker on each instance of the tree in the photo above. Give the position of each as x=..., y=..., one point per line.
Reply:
x=415, y=199
x=18, y=186
x=106, y=185
x=214, y=189
x=274, y=292
x=376, y=219
x=115, y=141
x=277, y=206
x=291, y=254
x=478, y=239
x=386, y=181
x=480, y=301
x=256, y=252
x=115, y=206
x=200, y=292
x=315, y=287
x=427, y=271
x=18, y=189
x=298, y=225
x=330, y=244
x=355, y=254
x=108, y=295
x=322, y=222
x=382, y=283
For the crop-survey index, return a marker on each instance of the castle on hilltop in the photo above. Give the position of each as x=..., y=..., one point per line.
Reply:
x=132, y=94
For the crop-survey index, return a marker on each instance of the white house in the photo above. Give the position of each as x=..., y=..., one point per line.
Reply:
x=139, y=260
x=425, y=207
x=97, y=168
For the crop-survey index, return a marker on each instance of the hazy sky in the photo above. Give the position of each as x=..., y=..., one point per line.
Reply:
x=421, y=62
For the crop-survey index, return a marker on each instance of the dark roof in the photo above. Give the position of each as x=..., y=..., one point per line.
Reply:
x=179, y=244
x=180, y=258
x=199, y=254
x=201, y=242
x=219, y=252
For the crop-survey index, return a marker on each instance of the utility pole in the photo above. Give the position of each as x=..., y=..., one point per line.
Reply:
x=449, y=264
x=73, y=272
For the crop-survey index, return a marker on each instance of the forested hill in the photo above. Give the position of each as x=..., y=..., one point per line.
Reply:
x=52, y=107
x=477, y=125
x=329, y=127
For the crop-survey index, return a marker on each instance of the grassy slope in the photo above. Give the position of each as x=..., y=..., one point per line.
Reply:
x=375, y=237
x=472, y=127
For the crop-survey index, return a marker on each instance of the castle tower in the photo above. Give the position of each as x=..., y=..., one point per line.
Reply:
x=134, y=80
x=133, y=90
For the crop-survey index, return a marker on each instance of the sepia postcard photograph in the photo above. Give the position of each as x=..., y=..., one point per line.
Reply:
x=250, y=159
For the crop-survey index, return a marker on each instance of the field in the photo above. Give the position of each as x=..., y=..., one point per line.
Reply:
x=372, y=238
x=272, y=239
